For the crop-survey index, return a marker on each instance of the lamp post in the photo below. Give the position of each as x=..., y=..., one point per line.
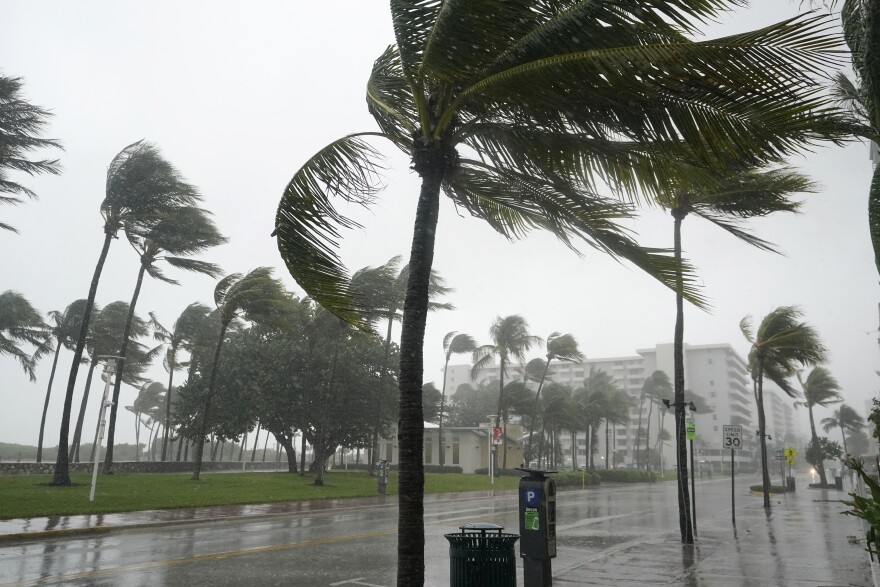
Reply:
x=109, y=372
x=492, y=449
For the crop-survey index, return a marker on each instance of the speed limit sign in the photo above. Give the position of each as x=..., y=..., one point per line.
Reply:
x=732, y=438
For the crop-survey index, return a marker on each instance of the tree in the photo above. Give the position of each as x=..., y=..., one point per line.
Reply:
x=180, y=337
x=822, y=449
x=654, y=389
x=511, y=340
x=845, y=418
x=258, y=297
x=563, y=347
x=454, y=343
x=21, y=324
x=431, y=402
x=820, y=389
x=140, y=185
x=780, y=343
x=172, y=236
x=724, y=199
x=534, y=92
x=470, y=405
x=22, y=124
x=65, y=326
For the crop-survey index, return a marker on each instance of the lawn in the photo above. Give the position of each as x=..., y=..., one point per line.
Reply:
x=30, y=495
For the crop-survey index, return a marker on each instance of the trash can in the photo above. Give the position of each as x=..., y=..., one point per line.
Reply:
x=790, y=483
x=838, y=483
x=481, y=555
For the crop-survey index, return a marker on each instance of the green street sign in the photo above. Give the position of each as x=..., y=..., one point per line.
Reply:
x=690, y=429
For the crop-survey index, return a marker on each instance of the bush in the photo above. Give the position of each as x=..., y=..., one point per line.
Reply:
x=499, y=472
x=576, y=479
x=773, y=489
x=443, y=469
x=626, y=476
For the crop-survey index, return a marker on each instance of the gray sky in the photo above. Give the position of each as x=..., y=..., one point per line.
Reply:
x=239, y=95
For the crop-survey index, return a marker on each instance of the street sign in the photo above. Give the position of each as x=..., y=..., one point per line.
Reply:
x=790, y=455
x=778, y=454
x=690, y=429
x=732, y=437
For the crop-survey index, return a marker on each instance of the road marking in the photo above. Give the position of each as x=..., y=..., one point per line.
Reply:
x=193, y=559
x=357, y=581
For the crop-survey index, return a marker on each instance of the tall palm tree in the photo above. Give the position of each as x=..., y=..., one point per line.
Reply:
x=140, y=185
x=178, y=338
x=780, y=343
x=654, y=389
x=724, y=199
x=845, y=418
x=21, y=324
x=533, y=90
x=454, y=343
x=381, y=293
x=256, y=296
x=22, y=124
x=819, y=389
x=510, y=342
x=563, y=347
x=172, y=236
x=65, y=326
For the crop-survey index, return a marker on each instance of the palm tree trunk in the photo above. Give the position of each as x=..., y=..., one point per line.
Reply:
x=46, y=403
x=574, y=463
x=762, y=432
x=287, y=443
x=180, y=443
x=639, y=434
x=256, y=443
x=820, y=466
x=167, y=412
x=200, y=439
x=681, y=456
x=607, y=445
x=265, y=445
x=499, y=418
x=77, y=433
x=137, y=437
x=430, y=165
x=242, y=446
x=648, y=433
x=120, y=369
x=62, y=463
x=302, y=455
x=383, y=385
x=442, y=455
x=541, y=447
x=843, y=434
x=535, y=409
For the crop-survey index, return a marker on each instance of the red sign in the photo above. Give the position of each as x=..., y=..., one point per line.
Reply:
x=496, y=434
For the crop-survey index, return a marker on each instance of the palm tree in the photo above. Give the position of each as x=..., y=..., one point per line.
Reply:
x=180, y=337
x=724, y=200
x=140, y=185
x=21, y=324
x=65, y=326
x=454, y=343
x=780, y=343
x=820, y=389
x=22, y=125
x=256, y=296
x=511, y=340
x=845, y=418
x=172, y=237
x=654, y=389
x=381, y=293
x=563, y=347
x=534, y=92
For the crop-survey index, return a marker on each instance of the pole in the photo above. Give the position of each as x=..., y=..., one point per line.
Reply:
x=693, y=492
x=109, y=371
x=732, y=490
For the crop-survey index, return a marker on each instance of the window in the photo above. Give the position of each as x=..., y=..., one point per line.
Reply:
x=389, y=452
x=428, y=451
x=455, y=455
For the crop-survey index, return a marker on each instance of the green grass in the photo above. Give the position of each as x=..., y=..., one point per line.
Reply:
x=31, y=496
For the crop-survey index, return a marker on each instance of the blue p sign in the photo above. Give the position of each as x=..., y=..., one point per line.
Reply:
x=531, y=496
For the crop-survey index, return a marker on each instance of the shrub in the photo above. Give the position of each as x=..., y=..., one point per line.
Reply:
x=773, y=489
x=499, y=472
x=576, y=478
x=626, y=476
x=866, y=507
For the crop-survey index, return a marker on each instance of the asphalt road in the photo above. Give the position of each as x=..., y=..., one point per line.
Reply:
x=620, y=535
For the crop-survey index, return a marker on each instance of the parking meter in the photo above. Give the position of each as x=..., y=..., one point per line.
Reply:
x=382, y=479
x=537, y=526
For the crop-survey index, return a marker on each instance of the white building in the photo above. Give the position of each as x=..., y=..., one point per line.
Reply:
x=715, y=372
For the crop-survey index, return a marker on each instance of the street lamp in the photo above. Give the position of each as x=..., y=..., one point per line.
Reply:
x=109, y=372
x=492, y=449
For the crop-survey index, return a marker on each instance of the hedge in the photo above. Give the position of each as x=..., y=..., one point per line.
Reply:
x=625, y=475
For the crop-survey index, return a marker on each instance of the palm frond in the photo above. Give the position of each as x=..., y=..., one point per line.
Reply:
x=195, y=266
x=390, y=99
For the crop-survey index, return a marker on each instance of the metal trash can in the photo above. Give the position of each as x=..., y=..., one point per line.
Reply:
x=790, y=483
x=482, y=556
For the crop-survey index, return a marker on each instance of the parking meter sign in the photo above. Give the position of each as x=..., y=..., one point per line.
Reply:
x=731, y=437
x=531, y=497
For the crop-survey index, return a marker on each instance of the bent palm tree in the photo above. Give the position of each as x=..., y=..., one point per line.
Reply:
x=820, y=389
x=511, y=340
x=140, y=185
x=257, y=296
x=454, y=343
x=844, y=418
x=185, y=329
x=172, y=236
x=563, y=347
x=65, y=326
x=724, y=199
x=21, y=324
x=22, y=124
x=780, y=343
x=533, y=90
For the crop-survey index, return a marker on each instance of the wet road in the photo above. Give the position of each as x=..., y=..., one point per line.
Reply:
x=621, y=535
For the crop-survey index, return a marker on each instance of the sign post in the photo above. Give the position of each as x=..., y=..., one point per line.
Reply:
x=732, y=438
x=690, y=428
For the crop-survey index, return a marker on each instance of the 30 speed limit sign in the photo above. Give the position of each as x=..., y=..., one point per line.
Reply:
x=733, y=437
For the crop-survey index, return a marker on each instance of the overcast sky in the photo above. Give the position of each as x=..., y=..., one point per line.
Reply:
x=239, y=95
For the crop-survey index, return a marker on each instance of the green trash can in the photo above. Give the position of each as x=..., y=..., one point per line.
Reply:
x=481, y=555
